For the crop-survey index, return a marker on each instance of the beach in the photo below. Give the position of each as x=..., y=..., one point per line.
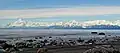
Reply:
x=13, y=36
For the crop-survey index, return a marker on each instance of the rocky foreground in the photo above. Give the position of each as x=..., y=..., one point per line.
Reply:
x=79, y=49
x=104, y=45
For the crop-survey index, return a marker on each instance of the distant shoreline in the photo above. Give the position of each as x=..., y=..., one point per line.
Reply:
x=69, y=28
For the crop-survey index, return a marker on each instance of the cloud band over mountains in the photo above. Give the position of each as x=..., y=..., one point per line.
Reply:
x=53, y=12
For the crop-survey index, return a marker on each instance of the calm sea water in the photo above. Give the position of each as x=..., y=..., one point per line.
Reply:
x=54, y=32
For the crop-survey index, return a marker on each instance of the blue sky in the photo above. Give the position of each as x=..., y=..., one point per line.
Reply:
x=24, y=4
x=59, y=10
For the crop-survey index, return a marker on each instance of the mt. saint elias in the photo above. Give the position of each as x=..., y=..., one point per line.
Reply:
x=95, y=24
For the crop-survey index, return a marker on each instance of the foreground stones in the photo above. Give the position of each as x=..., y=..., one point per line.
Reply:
x=102, y=49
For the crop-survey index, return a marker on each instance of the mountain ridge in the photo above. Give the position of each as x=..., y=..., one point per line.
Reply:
x=20, y=23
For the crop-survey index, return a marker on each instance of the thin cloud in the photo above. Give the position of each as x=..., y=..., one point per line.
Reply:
x=52, y=12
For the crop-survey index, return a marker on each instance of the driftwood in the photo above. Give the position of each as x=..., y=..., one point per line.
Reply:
x=42, y=50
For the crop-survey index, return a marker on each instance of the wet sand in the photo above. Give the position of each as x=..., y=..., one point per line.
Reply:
x=75, y=49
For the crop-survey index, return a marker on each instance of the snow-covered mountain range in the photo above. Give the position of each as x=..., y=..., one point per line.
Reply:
x=20, y=23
